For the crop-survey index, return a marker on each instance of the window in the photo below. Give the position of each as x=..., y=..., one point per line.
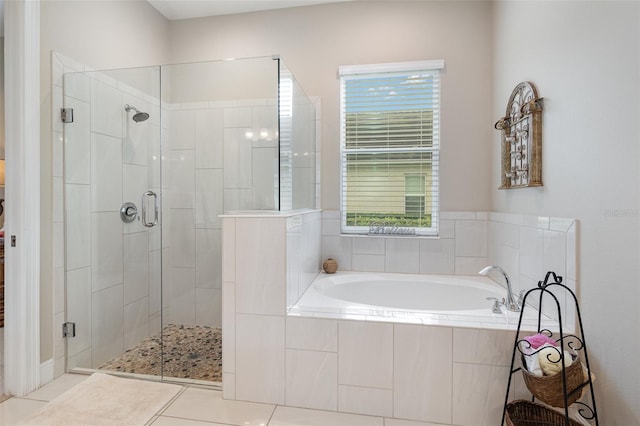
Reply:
x=415, y=190
x=390, y=139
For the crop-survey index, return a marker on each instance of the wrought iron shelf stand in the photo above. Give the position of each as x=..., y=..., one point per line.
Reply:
x=573, y=342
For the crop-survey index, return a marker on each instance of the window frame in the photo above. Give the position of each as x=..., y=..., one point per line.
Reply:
x=354, y=71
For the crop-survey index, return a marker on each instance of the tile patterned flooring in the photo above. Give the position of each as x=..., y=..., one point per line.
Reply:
x=195, y=406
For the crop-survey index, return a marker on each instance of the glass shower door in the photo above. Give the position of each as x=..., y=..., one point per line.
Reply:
x=113, y=238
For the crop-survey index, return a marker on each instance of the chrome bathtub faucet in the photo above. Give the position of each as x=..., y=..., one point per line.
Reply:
x=511, y=303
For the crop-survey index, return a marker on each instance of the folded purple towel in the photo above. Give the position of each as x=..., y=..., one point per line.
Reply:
x=540, y=339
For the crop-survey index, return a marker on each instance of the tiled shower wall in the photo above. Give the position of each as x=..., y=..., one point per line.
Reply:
x=112, y=294
x=212, y=161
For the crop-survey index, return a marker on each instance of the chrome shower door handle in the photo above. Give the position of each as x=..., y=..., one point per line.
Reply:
x=145, y=198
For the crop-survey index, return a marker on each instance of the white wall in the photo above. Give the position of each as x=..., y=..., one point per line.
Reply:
x=584, y=58
x=103, y=34
x=315, y=40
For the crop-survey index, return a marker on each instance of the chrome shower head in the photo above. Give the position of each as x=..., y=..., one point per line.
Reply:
x=139, y=115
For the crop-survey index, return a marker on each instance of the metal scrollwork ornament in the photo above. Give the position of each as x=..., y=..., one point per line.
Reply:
x=521, y=129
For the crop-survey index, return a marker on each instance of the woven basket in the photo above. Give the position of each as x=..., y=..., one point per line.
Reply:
x=549, y=390
x=527, y=413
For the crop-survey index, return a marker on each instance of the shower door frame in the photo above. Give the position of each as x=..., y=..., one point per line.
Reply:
x=139, y=200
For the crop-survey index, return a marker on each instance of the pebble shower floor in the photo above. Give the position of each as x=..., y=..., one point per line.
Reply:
x=190, y=352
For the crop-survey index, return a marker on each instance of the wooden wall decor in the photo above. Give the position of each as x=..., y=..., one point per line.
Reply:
x=521, y=129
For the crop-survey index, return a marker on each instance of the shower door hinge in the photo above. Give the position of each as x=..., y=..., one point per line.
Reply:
x=69, y=329
x=66, y=115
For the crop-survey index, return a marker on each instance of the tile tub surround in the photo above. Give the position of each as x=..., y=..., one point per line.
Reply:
x=525, y=246
x=402, y=371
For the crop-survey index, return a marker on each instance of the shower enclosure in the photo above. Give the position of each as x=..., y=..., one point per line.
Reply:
x=152, y=157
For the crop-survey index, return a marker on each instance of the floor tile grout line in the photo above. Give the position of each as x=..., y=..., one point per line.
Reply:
x=166, y=406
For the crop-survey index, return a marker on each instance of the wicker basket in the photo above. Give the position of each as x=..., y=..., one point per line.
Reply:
x=527, y=413
x=549, y=389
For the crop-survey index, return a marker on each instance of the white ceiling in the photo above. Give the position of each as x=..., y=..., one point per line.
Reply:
x=185, y=9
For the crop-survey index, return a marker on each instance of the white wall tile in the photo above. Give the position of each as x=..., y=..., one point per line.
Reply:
x=260, y=358
x=422, y=373
x=183, y=129
x=228, y=249
x=228, y=386
x=572, y=253
x=209, y=198
x=511, y=235
x=369, y=245
x=312, y=334
x=209, y=138
x=106, y=250
x=136, y=266
x=106, y=173
x=470, y=265
x=181, y=179
x=78, y=236
x=265, y=175
x=76, y=85
x=209, y=307
x=554, y=253
x=471, y=238
x=452, y=215
x=57, y=162
x=311, y=379
x=478, y=394
x=237, y=199
x=478, y=346
x=228, y=328
x=338, y=248
x=237, y=117
x=368, y=262
x=447, y=229
x=79, y=309
x=237, y=159
x=365, y=355
x=107, y=109
x=183, y=238
x=260, y=278
x=359, y=400
x=136, y=322
x=136, y=141
x=209, y=258
x=293, y=249
x=437, y=256
x=183, y=296
x=402, y=255
x=154, y=157
x=77, y=145
x=330, y=226
x=155, y=281
x=531, y=252
x=107, y=332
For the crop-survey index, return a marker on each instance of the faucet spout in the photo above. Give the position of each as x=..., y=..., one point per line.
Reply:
x=511, y=303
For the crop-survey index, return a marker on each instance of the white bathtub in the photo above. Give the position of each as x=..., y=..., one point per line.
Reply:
x=457, y=301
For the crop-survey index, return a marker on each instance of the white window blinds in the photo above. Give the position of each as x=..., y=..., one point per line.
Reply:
x=390, y=139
